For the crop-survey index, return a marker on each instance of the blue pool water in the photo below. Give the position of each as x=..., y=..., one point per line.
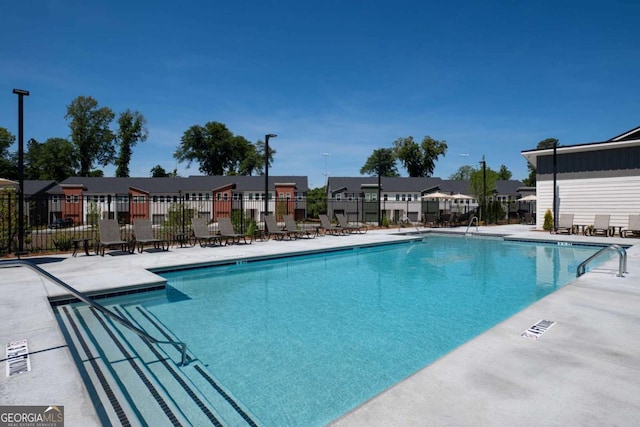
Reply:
x=302, y=340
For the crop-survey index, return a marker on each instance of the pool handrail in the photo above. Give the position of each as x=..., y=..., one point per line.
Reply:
x=622, y=264
x=471, y=222
x=87, y=300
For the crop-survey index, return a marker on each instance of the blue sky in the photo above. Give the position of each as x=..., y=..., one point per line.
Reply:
x=491, y=78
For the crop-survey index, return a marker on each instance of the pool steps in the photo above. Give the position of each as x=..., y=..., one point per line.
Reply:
x=137, y=383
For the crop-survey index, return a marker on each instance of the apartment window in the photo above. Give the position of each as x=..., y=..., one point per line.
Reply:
x=135, y=199
x=225, y=196
x=338, y=196
x=397, y=197
x=76, y=199
x=68, y=199
x=101, y=199
x=55, y=199
x=218, y=196
x=385, y=197
x=207, y=196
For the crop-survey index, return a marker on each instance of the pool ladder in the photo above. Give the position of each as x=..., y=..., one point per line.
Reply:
x=622, y=264
x=84, y=298
x=473, y=218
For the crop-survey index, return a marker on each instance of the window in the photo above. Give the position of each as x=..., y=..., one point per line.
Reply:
x=68, y=199
x=385, y=197
x=101, y=199
x=199, y=196
x=55, y=198
x=161, y=199
x=338, y=196
x=207, y=196
x=76, y=199
x=135, y=199
x=409, y=197
x=367, y=197
x=397, y=197
x=225, y=196
x=404, y=197
x=281, y=196
x=218, y=196
x=374, y=197
x=142, y=199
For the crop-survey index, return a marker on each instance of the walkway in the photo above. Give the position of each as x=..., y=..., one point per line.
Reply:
x=583, y=371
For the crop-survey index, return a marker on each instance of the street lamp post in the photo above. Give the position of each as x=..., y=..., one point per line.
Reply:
x=266, y=171
x=483, y=211
x=21, y=94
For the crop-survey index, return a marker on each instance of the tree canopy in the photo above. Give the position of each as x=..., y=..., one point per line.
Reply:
x=219, y=152
x=53, y=159
x=7, y=163
x=462, y=174
x=419, y=159
x=382, y=162
x=132, y=128
x=90, y=133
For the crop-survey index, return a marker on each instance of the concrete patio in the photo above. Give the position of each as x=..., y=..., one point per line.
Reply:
x=583, y=371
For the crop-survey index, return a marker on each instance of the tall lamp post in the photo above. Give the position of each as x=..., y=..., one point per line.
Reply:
x=266, y=171
x=483, y=211
x=555, y=188
x=21, y=94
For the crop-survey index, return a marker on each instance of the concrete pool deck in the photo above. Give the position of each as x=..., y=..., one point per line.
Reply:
x=582, y=371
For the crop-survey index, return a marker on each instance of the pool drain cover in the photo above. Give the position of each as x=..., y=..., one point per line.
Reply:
x=536, y=331
x=18, y=358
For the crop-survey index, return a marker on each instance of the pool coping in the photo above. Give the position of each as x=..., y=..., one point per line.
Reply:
x=25, y=315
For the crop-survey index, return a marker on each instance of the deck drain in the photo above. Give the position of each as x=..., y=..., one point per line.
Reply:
x=18, y=358
x=536, y=331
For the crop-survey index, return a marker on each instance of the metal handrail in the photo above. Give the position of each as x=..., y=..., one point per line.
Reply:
x=84, y=298
x=471, y=222
x=622, y=263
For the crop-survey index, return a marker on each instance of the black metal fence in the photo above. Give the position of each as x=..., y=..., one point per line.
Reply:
x=53, y=222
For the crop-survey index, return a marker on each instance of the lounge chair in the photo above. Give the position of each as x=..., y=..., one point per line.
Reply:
x=429, y=220
x=291, y=226
x=143, y=232
x=634, y=227
x=565, y=224
x=228, y=233
x=600, y=225
x=327, y=227
x=110, y=236
x=274, y=231
x=342, y=222
x=202, y=234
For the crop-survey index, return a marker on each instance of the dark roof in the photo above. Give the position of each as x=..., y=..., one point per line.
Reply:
x=408, y=184
x=417, y=185
x=113, y=185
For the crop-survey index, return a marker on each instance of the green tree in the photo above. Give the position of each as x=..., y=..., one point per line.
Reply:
x=53, y=159
x=132, y=128
x=246, y=159
x=90, y=133
x=419, y=160
x=504, y=173
x=478, y=186
x=382, y=162
x=462, y=174
x=158, y=172
x=530, y=181
x=7, y=161
x=316, y=202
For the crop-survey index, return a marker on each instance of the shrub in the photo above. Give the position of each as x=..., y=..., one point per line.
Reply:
x=548, y=220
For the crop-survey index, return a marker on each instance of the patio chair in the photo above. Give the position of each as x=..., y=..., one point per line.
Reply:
x=325, y=224
x=342, y=222
x=565, y=224
x=429, y=220
x=201, y=233
x=228, y=233
x=633, y=228
x=275, y=231
x=110, y=236
x=143, y=232
x=600, y=225
x=291, y=226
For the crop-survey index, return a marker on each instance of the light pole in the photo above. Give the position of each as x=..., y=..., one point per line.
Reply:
x=555, y=187
x=266, y=171
x=326, y=175
x=483, y=211
x=21, y=94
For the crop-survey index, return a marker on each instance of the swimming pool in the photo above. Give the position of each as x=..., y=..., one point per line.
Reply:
x=302, y=340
